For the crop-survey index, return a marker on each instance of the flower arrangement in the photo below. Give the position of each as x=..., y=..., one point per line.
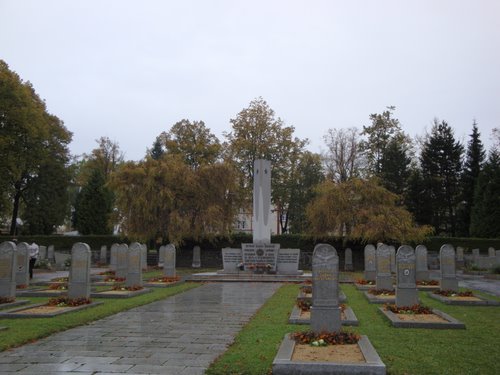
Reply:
x=382, y=292
x=241, y=266
x=21, y=286
x=428, y=282
x=451, y=293
x=164, y=279
x=66, y=301
x=114, y=279
x=107, y=273
x=325, y=338
x=365, y=282
x=7, y=299
x=415, y=309
x=123, y=288
x=59, y=286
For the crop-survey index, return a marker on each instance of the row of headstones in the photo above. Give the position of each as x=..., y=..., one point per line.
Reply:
x=416, y=266
x=325, y=309
x=384, y=258
x=119, y=257
x=490, y=261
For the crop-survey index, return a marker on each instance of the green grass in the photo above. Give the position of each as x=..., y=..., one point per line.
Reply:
x=24, y=330
x=474, y=350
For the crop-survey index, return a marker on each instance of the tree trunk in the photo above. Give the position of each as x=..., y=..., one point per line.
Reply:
x=15, y=211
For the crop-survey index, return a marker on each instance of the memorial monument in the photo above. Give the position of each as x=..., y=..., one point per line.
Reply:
x=261, y=256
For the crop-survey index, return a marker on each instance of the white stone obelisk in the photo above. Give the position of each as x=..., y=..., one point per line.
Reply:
x=261, y=222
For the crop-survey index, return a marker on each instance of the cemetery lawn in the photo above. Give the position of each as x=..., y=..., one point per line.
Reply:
x=474, y=350
x=23, y=330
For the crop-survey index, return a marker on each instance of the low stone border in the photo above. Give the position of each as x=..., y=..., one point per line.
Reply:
x=15, y=312
x=13, y=304
x=41, y=293
x=377, y=299
x=164, y=285
x=350, y=317
x=451, y=323
x=452, y=301
x=119, y=294
x=364, y=286
x=304, y=297
x=283, y=364
x=428, y=287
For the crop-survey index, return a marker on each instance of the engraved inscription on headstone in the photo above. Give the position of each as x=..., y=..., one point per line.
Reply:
x=422, y=268
x=134, y=262
x=370, y=263
x=23, y=258
x=231, y=258
x=325, y=311
x=288, y=261
x=448, y=271
x=384, y=279
x=121, y=260
x=406, y=286
x=79, y=273
x=8, y=266
x=169, y=263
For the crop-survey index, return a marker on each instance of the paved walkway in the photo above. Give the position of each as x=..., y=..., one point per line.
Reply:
x=180, y=335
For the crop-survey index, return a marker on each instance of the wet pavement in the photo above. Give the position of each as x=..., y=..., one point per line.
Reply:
x=179, y=335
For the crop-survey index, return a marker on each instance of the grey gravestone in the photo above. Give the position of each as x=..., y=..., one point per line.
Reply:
x=260, y=254
x=422, y=268
x=261, y=217
x=8, y=266
x=384, y=278
x=196, y=257
x=348, y=260
x=144, y=256
x=491, y=252
x=406, y=285
x=161, y=255
x=460, y=256
x=79, y=273
x=169, y=264
x=50, y=253
x=231, y=259
x=113, y=256
x=370, y=263
x=42, y=252
x=325, y=310
x=134, y=265
x=497, y=255
x=103, y=256
x=475, y=255
x=23, y=261
x=121, y=260
x=448, y=272
x=288, y=261
x=392, y=250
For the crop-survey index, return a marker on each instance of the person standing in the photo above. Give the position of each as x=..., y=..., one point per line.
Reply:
x=34, y=251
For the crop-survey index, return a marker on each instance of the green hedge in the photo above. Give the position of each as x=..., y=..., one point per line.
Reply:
x=297, y=241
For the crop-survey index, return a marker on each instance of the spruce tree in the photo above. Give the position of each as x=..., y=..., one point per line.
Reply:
x=485, y=215
x=441, y=168
x=93, y=206
x=472, y=167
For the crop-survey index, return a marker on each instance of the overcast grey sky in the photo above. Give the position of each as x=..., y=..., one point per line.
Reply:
x=131, y=69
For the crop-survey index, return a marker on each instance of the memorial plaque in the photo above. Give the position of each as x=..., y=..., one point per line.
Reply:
x=231, y=258
x=370, y=263
x=79, y=272
x=288, y=261
x=348, y=260
x=448, y=269
x=262, y=254
x=8, y=266
x=406, y=286
x=325, y=311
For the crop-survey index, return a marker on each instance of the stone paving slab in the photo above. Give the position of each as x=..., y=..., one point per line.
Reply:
x=180, y=335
